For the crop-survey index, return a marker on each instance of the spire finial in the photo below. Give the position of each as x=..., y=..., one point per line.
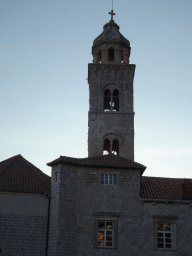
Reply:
x=112, y=13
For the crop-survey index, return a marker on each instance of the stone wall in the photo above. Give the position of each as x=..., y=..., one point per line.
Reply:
x=119, y=203
x=119, y=123
x=181, y=215
x=62, y=235
x=23, y=224
x=79, y=201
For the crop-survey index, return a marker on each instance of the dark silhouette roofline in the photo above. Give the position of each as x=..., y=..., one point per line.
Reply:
x=107, y=161
x=19, y=175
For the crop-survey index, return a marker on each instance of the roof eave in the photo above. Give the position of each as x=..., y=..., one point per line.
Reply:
x=60, y=160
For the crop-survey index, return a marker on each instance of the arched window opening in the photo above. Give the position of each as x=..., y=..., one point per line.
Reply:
x=111, y=54
x=106, y=147
x=115, y=147
x=107, y=100
x=115, y=105
x=123, y=57
x=98, y=56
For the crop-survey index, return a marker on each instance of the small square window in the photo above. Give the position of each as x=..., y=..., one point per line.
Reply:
x=109, y=179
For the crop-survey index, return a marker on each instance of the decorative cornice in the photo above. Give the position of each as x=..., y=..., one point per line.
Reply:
x=165, y=201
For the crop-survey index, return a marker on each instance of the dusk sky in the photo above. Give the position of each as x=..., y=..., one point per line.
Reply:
x=45, y=49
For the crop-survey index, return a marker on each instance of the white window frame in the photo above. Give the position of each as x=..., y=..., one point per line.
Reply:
x=108, y=178
x=164, y=232
x=105, y=230
x=105, y=217
x=171, y=220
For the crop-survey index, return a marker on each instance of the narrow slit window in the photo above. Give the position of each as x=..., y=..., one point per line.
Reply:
x=56, y=177
x=111, y=54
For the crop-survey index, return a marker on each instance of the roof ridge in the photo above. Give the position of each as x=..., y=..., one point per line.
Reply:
x=166, y=178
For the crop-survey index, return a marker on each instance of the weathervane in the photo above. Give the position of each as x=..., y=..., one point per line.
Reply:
x=112, y=13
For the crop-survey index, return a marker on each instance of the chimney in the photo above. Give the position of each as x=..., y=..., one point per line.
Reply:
x=187, y=189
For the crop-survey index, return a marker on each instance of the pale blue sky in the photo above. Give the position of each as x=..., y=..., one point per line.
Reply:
x=45, y=48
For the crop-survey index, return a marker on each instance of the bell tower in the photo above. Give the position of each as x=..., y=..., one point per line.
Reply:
x=110, y=78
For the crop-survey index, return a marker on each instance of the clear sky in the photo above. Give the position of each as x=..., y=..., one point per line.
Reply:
x=45, y=48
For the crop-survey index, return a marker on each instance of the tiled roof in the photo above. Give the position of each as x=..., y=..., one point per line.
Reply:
x=19, y=175
x=107, y=161
x=161, y=188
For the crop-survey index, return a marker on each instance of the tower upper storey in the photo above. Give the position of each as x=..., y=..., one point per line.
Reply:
x=110, y=78
x=111, y=46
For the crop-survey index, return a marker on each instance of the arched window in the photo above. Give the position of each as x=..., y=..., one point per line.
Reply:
x=106, y=147
x=111, y=101
x=115, y=105
x=111, y=54
x=107, y=100
x=115, y=147
x=98, y=57
x=123, y=57
x=109, y=148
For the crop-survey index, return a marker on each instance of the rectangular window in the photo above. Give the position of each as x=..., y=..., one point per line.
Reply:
x=165, y=232
x=105, y=237
x=164, y=235
x=109, y=179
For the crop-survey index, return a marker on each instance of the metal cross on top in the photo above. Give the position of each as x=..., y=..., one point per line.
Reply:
x=112, y=13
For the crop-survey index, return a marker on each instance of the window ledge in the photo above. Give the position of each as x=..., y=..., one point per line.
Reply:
x=106, y=214
x=164, y=249
x=112, y=248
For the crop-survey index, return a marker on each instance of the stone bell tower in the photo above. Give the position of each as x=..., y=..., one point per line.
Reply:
x=110, y=78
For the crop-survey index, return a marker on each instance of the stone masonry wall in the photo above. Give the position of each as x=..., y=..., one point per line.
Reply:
x=183, y=222
x=54, y=212
x=80, y=200
x=120, y=123
x=23, y=224
x=62, y=235
x=104, y=202
x=22, y=235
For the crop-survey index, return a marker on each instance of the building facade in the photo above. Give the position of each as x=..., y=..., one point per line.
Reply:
x=101, y=205
x=110, y=78
x=24, y=208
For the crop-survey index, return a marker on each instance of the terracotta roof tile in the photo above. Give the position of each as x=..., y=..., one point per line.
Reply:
x=161, y=188
x=107, y=161
x=19, y=175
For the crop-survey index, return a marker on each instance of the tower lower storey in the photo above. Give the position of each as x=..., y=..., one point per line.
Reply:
x=111, y=132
